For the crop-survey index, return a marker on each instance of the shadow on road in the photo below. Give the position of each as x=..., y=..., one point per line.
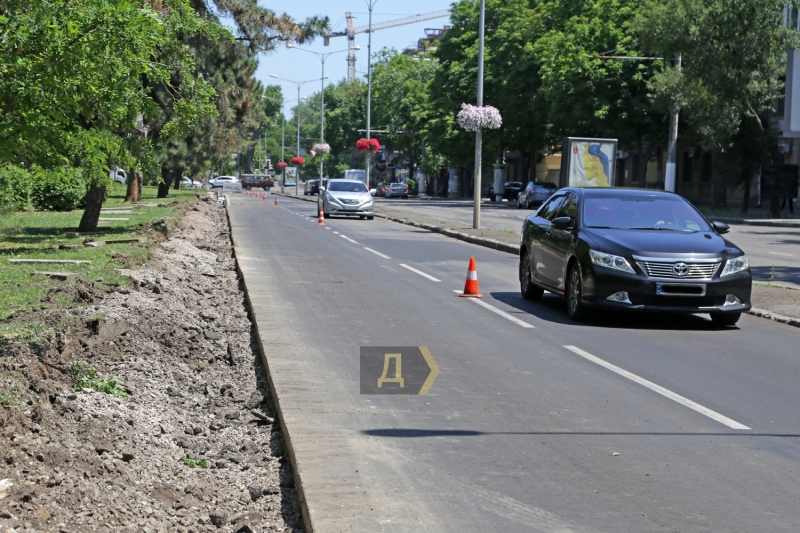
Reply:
x=553, y=309
x=417, y=433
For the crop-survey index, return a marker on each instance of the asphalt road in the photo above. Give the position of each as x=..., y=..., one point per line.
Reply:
x=773, y=253
x=626, y=423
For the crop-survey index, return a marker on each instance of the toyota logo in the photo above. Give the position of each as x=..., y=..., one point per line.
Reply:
x=680, y=269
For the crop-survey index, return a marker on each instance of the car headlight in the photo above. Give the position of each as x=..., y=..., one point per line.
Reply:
x=331, y=198
x=737, y=264
x=611, y=261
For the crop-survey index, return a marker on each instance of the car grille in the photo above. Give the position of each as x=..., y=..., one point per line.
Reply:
x=348, y=201
x=677, y=301
x=664, y=270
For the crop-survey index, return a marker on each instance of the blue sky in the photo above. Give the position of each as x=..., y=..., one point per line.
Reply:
x=297, y=65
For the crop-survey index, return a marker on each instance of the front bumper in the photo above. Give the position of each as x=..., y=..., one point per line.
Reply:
x=350, y=210
x=643, y=292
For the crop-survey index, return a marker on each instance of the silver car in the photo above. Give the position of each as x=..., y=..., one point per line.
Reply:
x=348, y=198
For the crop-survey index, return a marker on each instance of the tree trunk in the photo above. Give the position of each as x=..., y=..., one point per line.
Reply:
x=746, y=200
x=178, y=177
x=134, y=179
x=166, y=181
x=141, y=182
x=720, y=196
x=94, y=202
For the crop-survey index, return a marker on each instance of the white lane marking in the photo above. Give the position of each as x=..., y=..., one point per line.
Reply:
x=326, y=227
x=778, y=253
x=503, y=314
x=421, y=273
x=348, y=239
x=660, y=390
x=336, y=232
x=377, y=253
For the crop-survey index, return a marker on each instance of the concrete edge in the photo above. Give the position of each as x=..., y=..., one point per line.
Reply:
x=788, y=223
x=763, y=313
x=512, y=249
x=273, y=392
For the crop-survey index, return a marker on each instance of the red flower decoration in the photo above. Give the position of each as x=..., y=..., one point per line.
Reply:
x=298, y=161
x=373, y=145
x=282, y=165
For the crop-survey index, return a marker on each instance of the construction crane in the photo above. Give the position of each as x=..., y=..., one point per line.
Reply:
x=352, y=30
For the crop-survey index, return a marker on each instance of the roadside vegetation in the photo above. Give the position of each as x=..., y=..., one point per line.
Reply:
x=39, y=235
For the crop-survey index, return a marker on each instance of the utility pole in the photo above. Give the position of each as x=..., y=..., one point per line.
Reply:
x=370, y=5
x=672, y=144
x=476, y=209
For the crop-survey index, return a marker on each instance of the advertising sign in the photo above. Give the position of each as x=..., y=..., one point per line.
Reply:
x=588, y=162
x=290, y=176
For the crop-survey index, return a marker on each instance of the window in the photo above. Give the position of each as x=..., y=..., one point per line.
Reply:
x=642, y=212
x=569, y=208
x=347, y=186
x=549, y=210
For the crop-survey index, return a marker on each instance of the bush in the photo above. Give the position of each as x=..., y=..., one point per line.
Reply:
x=60, y=189
x=16, y=186
x=413, y=187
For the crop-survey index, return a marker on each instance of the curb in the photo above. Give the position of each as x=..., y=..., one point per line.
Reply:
x=788, y=223
x=273, y=392
x=783, y=319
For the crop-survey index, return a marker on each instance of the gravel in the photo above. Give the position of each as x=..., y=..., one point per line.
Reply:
x=181, y=343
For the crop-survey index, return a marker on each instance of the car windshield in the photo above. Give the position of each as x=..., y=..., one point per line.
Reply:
x=642, y=212
x=398, y=186
x=347, y=186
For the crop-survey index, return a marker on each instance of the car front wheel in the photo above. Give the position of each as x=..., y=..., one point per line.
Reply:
x=575, y=307
x=725, y=319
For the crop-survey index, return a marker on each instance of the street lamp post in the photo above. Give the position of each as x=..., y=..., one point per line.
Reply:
x=322, y=58
x=476, y=209
x=370, y=5
x=283, y=130
x=299, y=84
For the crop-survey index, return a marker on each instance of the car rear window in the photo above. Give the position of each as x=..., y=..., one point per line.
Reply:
x=347, y=186
x=642, y=212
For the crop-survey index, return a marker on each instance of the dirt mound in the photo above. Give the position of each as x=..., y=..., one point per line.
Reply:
x=173, y=428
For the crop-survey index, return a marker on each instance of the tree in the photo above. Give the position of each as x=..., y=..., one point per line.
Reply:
x=733, y=57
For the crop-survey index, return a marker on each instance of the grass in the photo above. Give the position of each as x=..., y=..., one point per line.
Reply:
x=191, y=463
x=86, y=378
x=21, y=238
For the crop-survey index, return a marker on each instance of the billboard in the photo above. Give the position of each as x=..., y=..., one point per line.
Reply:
x=588, y=162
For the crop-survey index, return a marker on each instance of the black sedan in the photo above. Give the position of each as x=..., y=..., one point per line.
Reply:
x=312, y=187
x=535, y=193
x=632, y=249
x=512, y=190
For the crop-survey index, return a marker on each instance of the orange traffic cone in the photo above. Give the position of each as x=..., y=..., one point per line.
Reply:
x=471, y=286
x=265, y=196
x=321, y=221
x=276, y=199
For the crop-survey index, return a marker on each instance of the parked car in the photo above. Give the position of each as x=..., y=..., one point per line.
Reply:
x=512, y=189
x=397, y=190
x=632, y=249
x=348, y=198
x=219, y=181
x=189, y=183
x=311, y=188
x=118, y=175
x=535, y=194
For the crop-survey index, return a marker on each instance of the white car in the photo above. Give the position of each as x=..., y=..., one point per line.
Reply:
x=219, y=181
x=348, y=198
x=118, y=175
x=188, y=183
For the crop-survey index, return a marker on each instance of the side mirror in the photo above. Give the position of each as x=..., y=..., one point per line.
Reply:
x=562, y=222
x=721, y=227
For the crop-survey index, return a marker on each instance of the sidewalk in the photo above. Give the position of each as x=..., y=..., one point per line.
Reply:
x=775, y=303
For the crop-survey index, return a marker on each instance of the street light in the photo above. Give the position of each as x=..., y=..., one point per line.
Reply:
x=370, y=5
x=476, y=209
x=322, y=58
x=283, y=125
x=299, y=84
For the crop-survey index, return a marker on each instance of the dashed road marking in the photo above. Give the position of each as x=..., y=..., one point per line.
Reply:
x=659, y=389
x=377, y=253
x=778, y=253
x=348, y=239
x=423, y=274
x=503, y=314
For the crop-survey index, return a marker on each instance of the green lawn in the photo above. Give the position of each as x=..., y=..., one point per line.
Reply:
x=23, y=235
